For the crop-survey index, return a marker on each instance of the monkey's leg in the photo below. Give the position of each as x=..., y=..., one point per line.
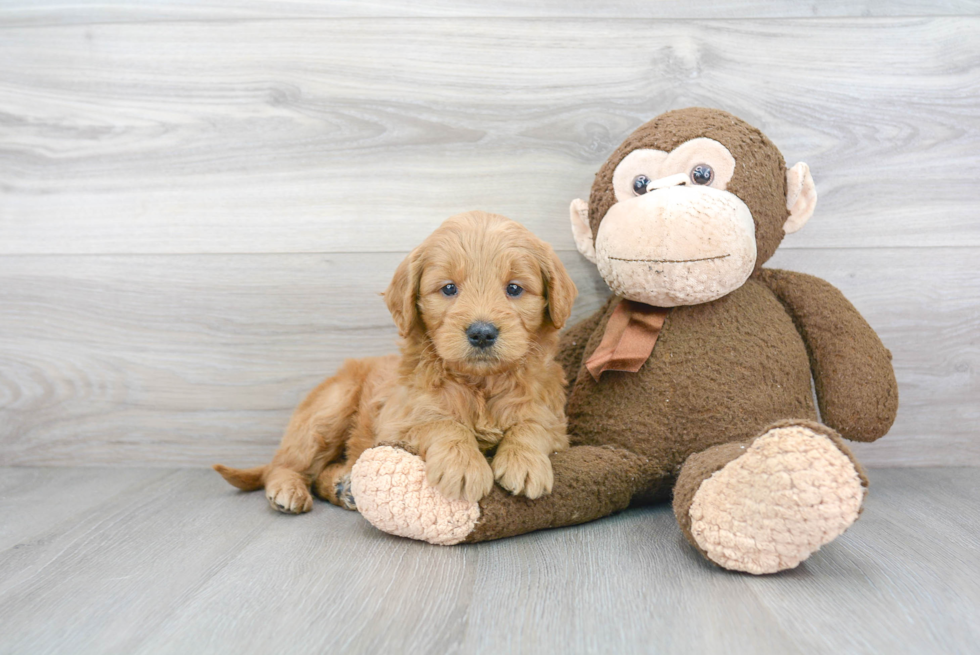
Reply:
x=391, y=491
x=766, y=504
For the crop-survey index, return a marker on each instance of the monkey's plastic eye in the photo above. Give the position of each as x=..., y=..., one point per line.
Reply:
x=702, y=174
x=449, y=290
x=514, y=290
x=640, y=183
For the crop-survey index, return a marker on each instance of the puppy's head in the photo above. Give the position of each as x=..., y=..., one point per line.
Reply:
x=483, y=291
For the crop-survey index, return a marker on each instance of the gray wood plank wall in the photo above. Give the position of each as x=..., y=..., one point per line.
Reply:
x=200, y=201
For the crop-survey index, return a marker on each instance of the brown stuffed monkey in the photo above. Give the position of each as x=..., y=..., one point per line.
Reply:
x=693, y=381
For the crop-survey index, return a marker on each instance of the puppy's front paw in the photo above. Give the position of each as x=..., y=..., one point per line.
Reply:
x=523, y=471
x=289, y=496
x=459, y=472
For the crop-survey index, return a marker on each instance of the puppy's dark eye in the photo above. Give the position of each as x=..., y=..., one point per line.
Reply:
x=640, y=183
x=702, y=174
x=514, y=290
x=449, y=290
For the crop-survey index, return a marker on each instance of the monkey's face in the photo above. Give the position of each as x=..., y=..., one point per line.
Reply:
x=688, y=207
x=675, y=235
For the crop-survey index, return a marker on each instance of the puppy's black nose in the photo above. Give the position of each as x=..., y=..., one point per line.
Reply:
x=481, y=334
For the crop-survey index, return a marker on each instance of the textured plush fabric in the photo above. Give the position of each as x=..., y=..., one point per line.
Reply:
x=590, y=482
x=721, y=413
x=681, y=245
x=720, y=372
x=801, y=197
x=659, y=167
x=852, y=371
x=393, y=494
x=760, y=171
x=765, y=504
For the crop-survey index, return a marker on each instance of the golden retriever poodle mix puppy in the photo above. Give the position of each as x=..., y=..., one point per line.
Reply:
x=478, y=306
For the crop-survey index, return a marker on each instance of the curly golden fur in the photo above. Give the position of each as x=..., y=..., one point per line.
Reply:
x=450, y=399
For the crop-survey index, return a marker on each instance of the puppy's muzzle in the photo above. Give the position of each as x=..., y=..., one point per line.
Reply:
x=481, y=334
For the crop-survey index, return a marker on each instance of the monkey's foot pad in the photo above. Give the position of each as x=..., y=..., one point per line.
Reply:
x=394, y=495
x=766, y=511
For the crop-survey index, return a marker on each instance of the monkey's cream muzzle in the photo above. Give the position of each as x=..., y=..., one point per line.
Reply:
x=676, y=245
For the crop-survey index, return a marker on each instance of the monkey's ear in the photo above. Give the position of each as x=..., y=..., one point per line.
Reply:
x=402, y=294
x=581, y=230
x=801, y=197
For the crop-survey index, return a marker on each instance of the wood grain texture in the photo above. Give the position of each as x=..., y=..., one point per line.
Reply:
x=189, y=360
x=48, y=12
x=181, y=359
x=200, y=200
x=363, y=134
x=25, y=491
x=187, y=564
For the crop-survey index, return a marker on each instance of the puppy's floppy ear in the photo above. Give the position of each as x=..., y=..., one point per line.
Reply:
x=403, y=292
x=560, y=291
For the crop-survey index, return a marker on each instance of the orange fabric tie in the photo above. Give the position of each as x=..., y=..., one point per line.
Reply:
x=630, y=336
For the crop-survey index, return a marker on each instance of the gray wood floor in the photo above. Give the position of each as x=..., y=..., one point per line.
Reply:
x=124, y=560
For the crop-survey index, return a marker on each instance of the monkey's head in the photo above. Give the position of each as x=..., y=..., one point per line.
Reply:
x=688, y=207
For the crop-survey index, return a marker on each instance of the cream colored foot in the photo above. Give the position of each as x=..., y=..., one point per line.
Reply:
x=766, y=511
x=390, y=488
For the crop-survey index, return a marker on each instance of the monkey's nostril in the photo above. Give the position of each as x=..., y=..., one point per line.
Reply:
x=482, y=334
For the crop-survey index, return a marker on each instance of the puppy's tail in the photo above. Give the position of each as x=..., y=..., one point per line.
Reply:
x=246, y=479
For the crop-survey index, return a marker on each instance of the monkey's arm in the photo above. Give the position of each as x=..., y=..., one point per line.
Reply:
x=852, y=370
x=571, y=346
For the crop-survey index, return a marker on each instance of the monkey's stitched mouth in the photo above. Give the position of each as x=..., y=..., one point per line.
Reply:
x=671, y=261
